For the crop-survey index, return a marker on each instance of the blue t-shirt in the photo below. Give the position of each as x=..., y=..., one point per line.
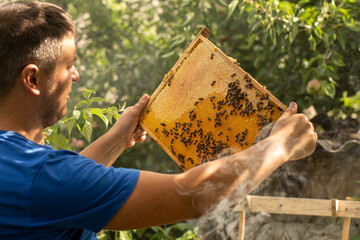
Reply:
x=48, y=194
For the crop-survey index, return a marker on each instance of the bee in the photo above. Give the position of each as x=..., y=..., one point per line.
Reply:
x=169, y=81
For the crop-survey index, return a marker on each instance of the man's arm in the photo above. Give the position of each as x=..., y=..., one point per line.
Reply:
x=161, y=198
x=124, y=134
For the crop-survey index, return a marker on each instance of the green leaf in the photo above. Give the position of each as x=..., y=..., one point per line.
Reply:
x=57, y=127
x=331, y=72
x=98, y=112
x=121, y=108
x=312, y=43
x=109, y=115
x=318, y=32
x=286, y=6
x=189, y=235
x=125, y=235
x=70, y=123
x=330, y=90
x=81, y=120
x=256, y=25
x=293, y=34
x=342, y=39
x=80, y=104
x=76, y=114
x=59, y=140
x=231, y=8
x=303, y=2
x=337, y=60
x=87, y=130
x=87, y=93
x=352, y=102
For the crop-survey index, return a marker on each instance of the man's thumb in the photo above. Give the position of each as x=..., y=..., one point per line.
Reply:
x=141, y=104
x=292, y=109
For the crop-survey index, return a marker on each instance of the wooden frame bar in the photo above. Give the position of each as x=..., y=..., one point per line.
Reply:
x=299, y=206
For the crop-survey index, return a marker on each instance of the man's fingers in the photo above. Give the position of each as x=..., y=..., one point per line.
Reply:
x=136, y=109
x=141, y=104
x=139, y=131
x=143, y=100
x=292, y=109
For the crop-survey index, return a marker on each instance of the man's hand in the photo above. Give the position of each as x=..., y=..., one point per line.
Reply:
x=127, y=124
x=296, y=132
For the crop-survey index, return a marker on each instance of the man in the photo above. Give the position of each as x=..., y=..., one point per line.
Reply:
x=48, y=194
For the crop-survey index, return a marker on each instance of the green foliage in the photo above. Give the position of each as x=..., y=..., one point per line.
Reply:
x=352, y=102
x=82, y=118
x=285, y=44
x=178, y=231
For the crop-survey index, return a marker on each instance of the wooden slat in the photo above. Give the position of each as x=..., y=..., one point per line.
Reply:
x=242, y=226
x=299, y=206
x=346, y=226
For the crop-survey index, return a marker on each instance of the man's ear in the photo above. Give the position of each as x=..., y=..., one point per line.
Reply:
x=30, y=79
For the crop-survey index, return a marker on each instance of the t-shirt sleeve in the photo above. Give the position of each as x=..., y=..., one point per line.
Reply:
x=72, y=191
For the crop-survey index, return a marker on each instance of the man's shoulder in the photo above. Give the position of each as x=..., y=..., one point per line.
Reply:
x=16, y=148
x=10, y=138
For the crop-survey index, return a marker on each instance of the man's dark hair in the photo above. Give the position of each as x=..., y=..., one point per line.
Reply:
x=30, y=33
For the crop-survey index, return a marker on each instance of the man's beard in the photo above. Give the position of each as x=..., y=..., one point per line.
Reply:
x=50, y=111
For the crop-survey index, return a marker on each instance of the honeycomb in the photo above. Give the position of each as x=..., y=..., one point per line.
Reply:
x=207, y=106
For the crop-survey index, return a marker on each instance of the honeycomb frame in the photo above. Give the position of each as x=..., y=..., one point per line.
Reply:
x=207, y=106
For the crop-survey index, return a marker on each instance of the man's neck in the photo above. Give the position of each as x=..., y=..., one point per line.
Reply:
x=18, y=117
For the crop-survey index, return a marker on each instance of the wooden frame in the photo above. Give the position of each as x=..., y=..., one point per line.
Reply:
x=299, y=206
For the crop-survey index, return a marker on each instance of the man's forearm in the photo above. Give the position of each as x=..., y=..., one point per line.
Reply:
x=105, y=150
x=210, y=182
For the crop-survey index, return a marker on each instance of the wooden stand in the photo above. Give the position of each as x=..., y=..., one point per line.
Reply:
x=300, y=206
